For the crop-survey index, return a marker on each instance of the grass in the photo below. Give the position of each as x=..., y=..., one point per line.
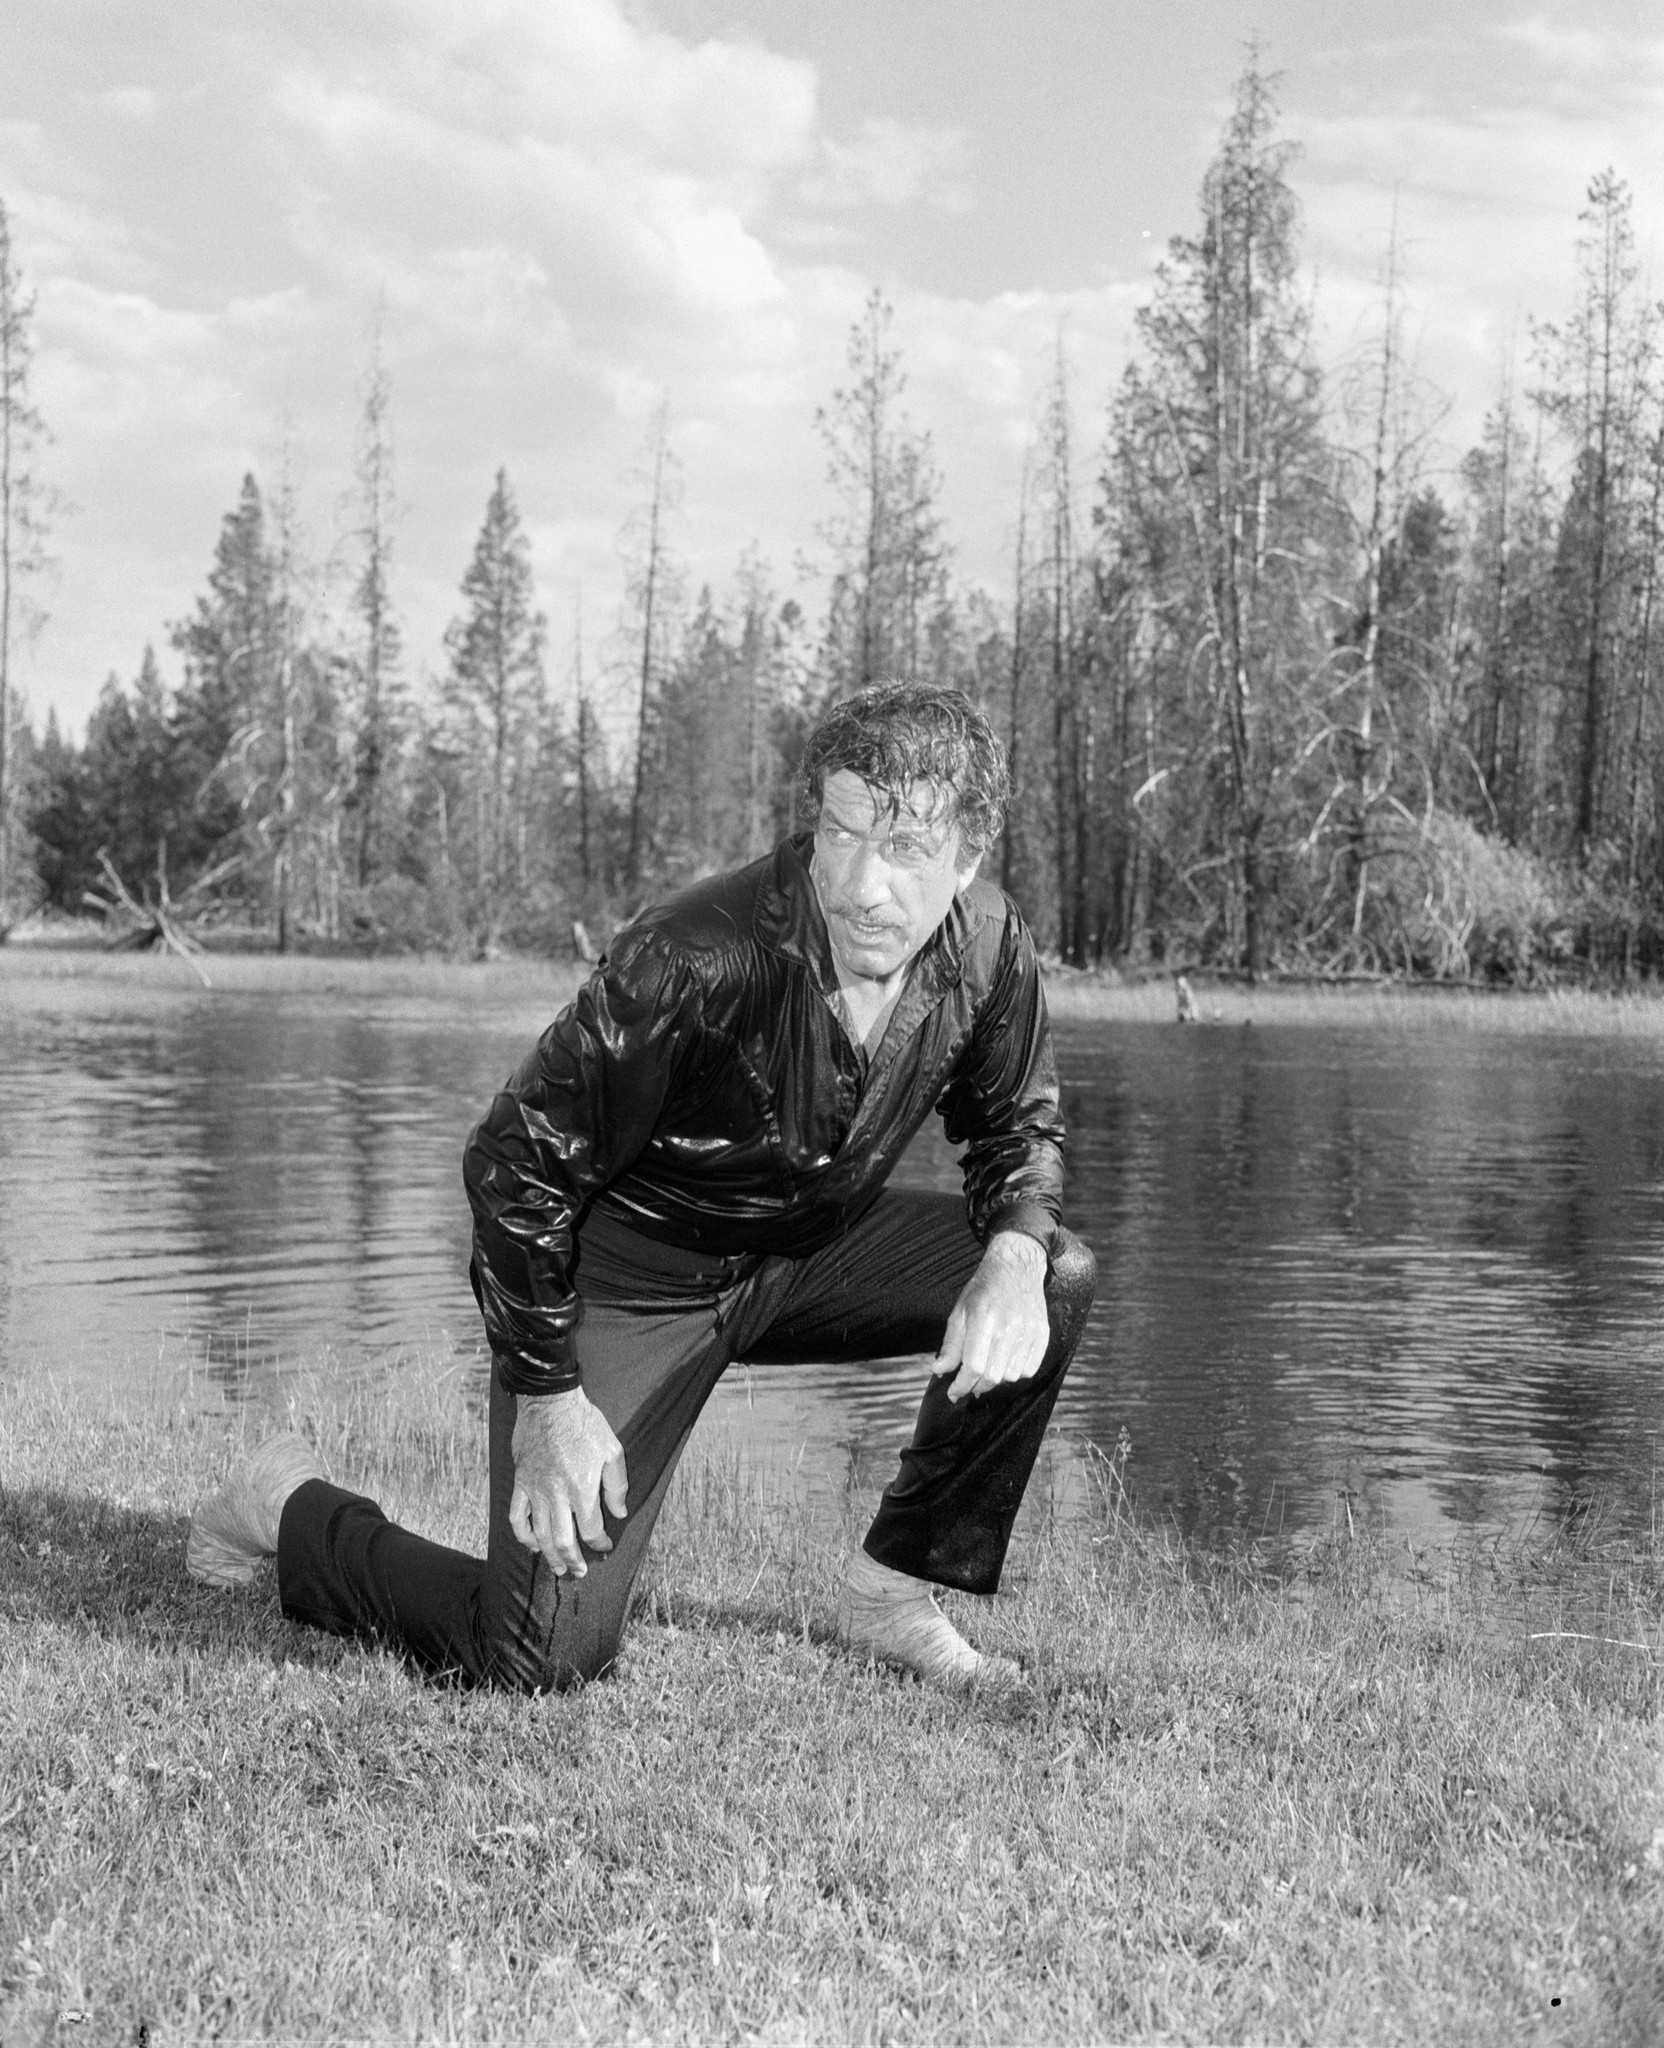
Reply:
x=66, y=972
x=44, y=968
x=1338, y=1802
x=1394, y=1006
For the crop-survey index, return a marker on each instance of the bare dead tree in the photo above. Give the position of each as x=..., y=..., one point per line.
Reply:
x=584, y=741
x=376, y=655
x=1015, y=756
x=653, y=595
x=24, y=505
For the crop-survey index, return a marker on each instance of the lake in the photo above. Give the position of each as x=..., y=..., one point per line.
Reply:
x=1410, y=1275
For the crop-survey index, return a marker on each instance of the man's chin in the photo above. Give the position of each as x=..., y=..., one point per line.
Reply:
x=877, y=959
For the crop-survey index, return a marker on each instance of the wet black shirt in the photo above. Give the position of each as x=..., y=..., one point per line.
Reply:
x=702, y=1091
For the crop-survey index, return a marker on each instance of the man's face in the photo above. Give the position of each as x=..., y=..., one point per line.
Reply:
x=886, y=878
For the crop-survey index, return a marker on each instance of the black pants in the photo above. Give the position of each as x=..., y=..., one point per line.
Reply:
x=659, y=1327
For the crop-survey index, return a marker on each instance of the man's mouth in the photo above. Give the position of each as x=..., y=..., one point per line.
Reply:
x=868, y=927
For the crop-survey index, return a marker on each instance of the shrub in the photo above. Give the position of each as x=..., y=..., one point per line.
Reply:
x=1521, y=924
x=1446, y=902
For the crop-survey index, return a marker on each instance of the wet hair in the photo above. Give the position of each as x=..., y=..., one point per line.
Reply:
x=895, y=734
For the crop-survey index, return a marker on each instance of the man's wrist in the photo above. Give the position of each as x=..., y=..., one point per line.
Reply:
x=1023, y=1218
x=550, y=1404
x=1023, y=1251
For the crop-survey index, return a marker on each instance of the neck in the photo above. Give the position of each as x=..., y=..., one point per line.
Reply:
x=869, y=988
x=867, y=1005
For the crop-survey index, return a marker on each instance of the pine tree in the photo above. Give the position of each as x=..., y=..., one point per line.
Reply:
x=891, y=579
x=758, y=684
x=495, y=694
x=135, y=795
x=1642, y=799
x=1505, y=619
x=1220, y=421
x=223, y=721
x=695, y=807
x=58, y=821
x=1599, y=364
x=1396, y=717
x=252, y=773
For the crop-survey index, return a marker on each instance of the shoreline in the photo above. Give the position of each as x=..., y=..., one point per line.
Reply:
x=1398, y=1006
x=1072, y=994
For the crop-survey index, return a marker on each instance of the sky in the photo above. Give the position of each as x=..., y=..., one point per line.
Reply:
x=568, y=211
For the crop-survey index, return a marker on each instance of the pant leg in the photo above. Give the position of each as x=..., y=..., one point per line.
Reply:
x=652, y=1354
x=509, y=1619
x=888, y=1286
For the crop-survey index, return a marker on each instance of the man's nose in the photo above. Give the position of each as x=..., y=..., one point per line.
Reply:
x=869, y=878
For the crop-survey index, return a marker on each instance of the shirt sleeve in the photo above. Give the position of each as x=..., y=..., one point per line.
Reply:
x=577, y=1111
x=1002, y=1103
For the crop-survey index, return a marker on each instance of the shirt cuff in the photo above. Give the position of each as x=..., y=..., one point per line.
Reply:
x=533, y=1377
x=1031, y=1219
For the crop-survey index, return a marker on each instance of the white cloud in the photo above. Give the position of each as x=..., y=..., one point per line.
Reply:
x=556, y=203
x=1487, y=195
x=569, y=213
x=580, y=73
x=126, y=102
x=1573, y=51
x=894, y=163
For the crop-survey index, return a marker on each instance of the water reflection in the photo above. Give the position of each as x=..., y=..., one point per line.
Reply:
x=1424, y=1271
x=1415, y=1274
x=267, y=1179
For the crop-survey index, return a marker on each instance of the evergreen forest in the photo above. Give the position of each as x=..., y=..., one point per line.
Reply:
x=1281, y=696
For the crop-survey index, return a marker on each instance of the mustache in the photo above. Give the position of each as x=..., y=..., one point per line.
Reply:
x=855, y=915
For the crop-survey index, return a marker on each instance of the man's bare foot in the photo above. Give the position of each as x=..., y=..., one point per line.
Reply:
x=894, y=1619
x=233, y=1529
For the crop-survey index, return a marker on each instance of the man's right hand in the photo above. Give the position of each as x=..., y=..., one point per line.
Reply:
x=565, y=1457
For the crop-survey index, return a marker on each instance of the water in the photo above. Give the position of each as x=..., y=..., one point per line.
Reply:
x=1417, y=1276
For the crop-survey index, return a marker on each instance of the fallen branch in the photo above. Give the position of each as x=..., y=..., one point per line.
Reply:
x=153, y=926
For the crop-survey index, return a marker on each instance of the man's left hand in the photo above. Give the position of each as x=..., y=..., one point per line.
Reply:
x=998, y=1330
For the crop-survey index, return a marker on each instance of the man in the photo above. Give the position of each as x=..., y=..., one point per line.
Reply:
x=689, y=1168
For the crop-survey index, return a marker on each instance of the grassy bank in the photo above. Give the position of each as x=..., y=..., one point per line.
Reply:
x=1393, y=1006
x=48, y=972
x=1343, y=1808
x=45, y=971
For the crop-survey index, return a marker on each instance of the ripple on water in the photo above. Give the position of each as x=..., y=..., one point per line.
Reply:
x=1421, y=1276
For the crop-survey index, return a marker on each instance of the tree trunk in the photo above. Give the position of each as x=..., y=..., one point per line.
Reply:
x=584, y=867
x=1013, y=724
x=649, y=627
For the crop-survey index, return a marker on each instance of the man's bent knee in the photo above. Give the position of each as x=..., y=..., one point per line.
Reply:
x=516, y=1667
x=1070, y=1288
x=536, y=1676
x=576, y=1644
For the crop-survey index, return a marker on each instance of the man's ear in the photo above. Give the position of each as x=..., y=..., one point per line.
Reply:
x=964, y=876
